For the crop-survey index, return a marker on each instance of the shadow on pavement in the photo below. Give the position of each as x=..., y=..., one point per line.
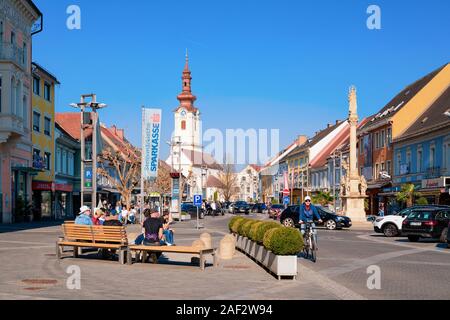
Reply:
x=4, y=228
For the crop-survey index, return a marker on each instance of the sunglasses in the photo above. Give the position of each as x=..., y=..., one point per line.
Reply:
x=308, y=201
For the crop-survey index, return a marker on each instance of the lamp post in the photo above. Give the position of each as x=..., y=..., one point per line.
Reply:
x=204, y=173
x=93, y=116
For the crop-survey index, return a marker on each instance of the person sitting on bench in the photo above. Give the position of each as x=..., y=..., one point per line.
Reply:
x=153, y=230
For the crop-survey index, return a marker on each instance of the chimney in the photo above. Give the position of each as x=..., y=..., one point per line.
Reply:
x=329, y=125
x=301, y=140
x=338, y=121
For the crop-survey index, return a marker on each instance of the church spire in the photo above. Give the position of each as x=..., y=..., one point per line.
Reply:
x=186, y=97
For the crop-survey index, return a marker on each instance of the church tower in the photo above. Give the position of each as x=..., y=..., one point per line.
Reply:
x=187, y=128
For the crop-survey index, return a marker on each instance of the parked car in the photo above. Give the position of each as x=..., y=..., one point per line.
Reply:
x=259, y=208
x=240, y=207
x=189, y=208
x=331, y=220
x=429, y=222
x=391, y=225
x=275, y=211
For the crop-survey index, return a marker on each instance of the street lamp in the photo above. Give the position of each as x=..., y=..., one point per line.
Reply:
x=93, y=115
x=204, y=173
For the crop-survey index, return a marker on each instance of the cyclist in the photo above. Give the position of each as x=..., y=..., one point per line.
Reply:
x=308, y=213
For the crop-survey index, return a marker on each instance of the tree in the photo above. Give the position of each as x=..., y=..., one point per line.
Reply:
x=127, y=169
x=407, y=194
x=323, y=198
x=163, y=182
x=229, y=180
x=422, y=201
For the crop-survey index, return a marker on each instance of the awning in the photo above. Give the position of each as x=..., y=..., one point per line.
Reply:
x=378, y=185
x=29, y=170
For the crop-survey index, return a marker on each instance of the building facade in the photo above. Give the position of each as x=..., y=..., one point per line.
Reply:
x=16, y=20
x=67, y=174
x=376, y=152
x=43, y=138
x=301, y=175
x=248, y=182
x=422, y=154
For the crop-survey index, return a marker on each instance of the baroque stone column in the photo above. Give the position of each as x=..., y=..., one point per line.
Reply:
x=354, y=184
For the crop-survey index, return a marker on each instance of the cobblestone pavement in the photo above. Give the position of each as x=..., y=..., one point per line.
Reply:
x=29, y=269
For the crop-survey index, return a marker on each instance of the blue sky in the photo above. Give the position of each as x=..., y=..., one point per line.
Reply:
x=255, y=64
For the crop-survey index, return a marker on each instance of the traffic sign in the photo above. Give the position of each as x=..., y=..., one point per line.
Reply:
x=286, y=200
x=198, y=200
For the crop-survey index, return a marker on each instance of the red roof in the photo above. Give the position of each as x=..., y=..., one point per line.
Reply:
x=70, y=122
x=199, y=159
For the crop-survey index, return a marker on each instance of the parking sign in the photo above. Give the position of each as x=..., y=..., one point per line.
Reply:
x=198, y=200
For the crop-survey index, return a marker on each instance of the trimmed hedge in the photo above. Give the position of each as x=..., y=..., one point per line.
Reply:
x=262, y=229
x=247, y=227
x=268, y=238
x=237, y=224
x=232, y=221
x=284, y=241
x=253, y=230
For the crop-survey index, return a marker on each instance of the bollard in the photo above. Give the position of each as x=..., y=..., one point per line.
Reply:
x=207, y=240
x=227, y=247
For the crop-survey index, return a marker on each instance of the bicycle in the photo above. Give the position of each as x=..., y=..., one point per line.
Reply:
x=310, y=249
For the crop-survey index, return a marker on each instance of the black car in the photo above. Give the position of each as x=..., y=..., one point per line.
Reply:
x=258, y=208
x=448, y=235
x=331, y=220
x=240, y=207
x=427, y=223
x=189, y=208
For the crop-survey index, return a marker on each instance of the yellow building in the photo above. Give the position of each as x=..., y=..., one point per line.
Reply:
x=43, y=137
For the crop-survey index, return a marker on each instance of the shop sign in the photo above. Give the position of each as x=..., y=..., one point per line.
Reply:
x=42, y=186
x=432, y=183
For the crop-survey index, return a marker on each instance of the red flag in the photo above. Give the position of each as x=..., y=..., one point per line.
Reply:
x=286, y=191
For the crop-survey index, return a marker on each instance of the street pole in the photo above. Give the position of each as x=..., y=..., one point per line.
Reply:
x=83, y=151
x=94, y=156
x=334, y=180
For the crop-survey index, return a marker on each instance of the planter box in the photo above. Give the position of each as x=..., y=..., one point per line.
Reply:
x=281, y=266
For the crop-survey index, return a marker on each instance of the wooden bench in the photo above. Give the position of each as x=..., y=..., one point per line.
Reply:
x=171, y=249
x=100, y=237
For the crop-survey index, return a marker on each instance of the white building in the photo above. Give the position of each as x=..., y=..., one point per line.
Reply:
x=186, y=154
x=248, y=182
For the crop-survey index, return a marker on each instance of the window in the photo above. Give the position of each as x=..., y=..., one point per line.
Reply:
x=25, y=53
x=47, y=91
x=377, y=171
x=58, y=160
x=383, y=139
x=183, y=125
x=47, y=161
x=47, y=124
x=36, y=86
x=399, y=163
x=37, y=161
x=388, y=167
x=71, y=164
x=0, y=92
x=389, y=137
x=432, y=156
x=377, y=140
x=36, y=121
x=361, y=146
x=383, y=167
x=64, y=162
x=13, y=38
x=25, y=112
x=408, y=160
x=447, y=156
x=419, y=161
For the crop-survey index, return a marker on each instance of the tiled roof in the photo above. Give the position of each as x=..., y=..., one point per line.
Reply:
x=322, y=157
x=199, y=159
x=70, y=122
x=403, y=97
x=315, y=139
x=214, y=182
x=434, y=117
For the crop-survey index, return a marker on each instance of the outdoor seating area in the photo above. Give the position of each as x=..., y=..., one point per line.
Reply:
x=115, y=238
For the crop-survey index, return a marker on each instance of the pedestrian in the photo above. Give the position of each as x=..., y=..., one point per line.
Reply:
x=153, y=234
x=167, y=231
x=98, y=214
x=85, y=217
x=381, y=210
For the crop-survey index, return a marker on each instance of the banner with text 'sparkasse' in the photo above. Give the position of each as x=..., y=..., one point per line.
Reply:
x=151, y=139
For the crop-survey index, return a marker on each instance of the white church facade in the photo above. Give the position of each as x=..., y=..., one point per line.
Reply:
x=186, y=153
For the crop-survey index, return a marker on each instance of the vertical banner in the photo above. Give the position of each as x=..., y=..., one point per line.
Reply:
x=151, y=137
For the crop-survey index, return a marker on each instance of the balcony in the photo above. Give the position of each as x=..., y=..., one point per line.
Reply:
x=433, y=172
x=11, y=52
